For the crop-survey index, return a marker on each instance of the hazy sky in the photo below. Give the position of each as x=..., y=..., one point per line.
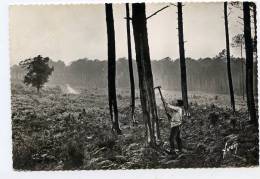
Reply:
x=70, y=32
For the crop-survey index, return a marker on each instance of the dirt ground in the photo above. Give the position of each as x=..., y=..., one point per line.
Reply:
x=51, y=132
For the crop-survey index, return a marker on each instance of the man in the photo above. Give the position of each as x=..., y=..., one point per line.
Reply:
x=177, y=113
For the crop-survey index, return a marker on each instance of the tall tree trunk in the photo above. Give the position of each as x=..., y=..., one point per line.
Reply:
x=182, y=58
x=255, y=46
x=112, y=69
x=249, y=63
x=255, y=27
x=131, y=74
x=143, y=61
x=231, y=91
x=242, y=73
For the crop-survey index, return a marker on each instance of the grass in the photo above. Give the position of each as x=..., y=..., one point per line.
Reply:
x=48, y=133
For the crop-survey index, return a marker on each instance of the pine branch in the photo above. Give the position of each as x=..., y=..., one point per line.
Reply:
x=159, y=11
x=128, y=18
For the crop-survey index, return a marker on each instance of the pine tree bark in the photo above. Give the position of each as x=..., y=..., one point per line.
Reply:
x=255, y=46
x=231, y=91
x=182, y=58
x=112, y=68
x=130, y=63
x=249, y=63
x=146, y=85
x=255, y=26
x=242, y=72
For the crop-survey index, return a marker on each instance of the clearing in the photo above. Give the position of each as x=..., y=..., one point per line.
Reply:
x=51, y=132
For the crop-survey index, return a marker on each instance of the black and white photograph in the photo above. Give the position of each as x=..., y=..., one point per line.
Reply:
x=133, y=85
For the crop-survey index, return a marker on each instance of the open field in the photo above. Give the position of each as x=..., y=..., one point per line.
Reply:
x=50, y=132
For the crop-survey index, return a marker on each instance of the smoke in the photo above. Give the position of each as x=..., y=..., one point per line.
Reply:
x=71, y=90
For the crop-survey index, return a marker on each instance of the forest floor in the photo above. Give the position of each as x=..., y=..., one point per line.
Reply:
x=48, y=133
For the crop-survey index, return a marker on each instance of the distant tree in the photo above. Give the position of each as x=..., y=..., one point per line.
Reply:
x=231, y=91
x=130, y=63
x=87, y=73
x=249, y=63
x=38, y=71
x=221, y=54
x=112, y=68
x=17, y=73
x=146, y=85
x=236, y=4
x=182, y=58
x=239, y=42
x=58, y=76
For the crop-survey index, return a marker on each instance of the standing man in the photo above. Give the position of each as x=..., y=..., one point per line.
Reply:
x=177, y=113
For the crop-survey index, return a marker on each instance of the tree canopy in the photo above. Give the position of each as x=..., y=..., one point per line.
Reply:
x=38, y=71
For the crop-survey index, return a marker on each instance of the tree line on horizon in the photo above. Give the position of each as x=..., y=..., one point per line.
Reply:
x=203, y=74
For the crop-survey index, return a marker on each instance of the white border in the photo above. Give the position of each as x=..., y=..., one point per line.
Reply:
x=6, y=170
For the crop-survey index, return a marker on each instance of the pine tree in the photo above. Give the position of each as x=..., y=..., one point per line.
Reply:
x=249, y=63
x=112, y=69
x=146, y=85
x=130, y=63
x=231, y=91
x=182, y=58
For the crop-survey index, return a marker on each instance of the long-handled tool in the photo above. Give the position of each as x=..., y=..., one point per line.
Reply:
x=163, y=101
